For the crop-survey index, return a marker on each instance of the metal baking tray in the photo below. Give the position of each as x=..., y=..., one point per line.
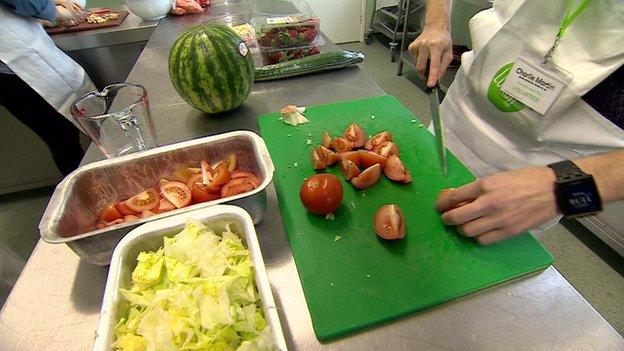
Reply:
x=76, y=204
x=149, y=237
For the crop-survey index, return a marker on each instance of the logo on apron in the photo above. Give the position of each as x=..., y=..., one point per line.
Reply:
x=497, y=97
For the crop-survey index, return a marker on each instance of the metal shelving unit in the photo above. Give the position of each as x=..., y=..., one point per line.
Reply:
x=392, y=23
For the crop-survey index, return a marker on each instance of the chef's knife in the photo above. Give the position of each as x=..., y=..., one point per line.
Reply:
x=438, y=128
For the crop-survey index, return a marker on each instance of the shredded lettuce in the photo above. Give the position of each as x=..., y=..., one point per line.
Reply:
x=197, y=292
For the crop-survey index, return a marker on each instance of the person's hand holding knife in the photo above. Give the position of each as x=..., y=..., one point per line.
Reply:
x=69, y=13
x=434, y=44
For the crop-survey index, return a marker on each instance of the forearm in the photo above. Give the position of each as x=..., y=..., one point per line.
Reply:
x=608, y=172
x=438, y=14
x=43, y=9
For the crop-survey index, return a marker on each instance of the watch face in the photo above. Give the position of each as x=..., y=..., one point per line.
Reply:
x=579, y=197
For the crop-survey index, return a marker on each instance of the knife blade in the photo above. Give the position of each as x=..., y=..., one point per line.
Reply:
x=438, y=128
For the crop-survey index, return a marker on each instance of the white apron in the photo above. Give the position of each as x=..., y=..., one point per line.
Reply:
x=489, y=133
x=30, y=53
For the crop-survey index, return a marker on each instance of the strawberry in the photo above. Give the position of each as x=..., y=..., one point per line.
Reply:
x=313, y=51
x=292, y=33
x=310, y=35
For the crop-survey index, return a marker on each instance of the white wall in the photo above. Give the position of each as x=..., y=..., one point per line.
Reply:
x=341, y=20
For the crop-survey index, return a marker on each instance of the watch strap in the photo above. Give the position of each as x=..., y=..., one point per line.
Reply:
x=567, y=171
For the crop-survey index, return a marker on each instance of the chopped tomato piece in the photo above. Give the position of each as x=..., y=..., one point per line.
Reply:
x=111, y=213
x=196, y=182
x=201, y=192
x=355, y=134
x=177, y=193
x=341, y=144
x=130, y=218
x=395, y=170
x=368, y=177
x=183, y=174
x=377, y=139
x=387, y=149
x=112, y=223
x=220, y=175
x=246, y=174
x=237, y=186
x=231, y=162
x=146, y=214
x=353, y=156
x=369, y=158
x=145, y=201
x=124, y=209
x=206, y=171
x=349, y=168
x=315, y=159
x=164, y=206
x=327, y=156
x=327, y=142
x=389, y=222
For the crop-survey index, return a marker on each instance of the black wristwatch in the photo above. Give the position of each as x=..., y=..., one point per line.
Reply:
x=575, y=190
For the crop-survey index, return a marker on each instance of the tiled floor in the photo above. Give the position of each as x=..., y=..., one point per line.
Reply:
x=595, y=270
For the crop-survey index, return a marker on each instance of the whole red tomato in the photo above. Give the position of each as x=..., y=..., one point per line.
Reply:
x=321, y=193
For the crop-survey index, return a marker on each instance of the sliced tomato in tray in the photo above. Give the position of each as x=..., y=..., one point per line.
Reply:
x=177, y=193
x=145, y=201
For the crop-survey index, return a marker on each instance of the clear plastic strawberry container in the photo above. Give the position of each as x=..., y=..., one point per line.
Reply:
x=284, y=24
x=271, y=55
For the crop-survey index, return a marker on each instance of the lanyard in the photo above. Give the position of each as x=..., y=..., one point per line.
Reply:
x=569, y=17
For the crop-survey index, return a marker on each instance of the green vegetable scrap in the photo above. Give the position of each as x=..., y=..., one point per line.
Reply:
x=197, y=292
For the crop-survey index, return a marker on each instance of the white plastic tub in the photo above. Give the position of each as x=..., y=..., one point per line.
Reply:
x=149, y=237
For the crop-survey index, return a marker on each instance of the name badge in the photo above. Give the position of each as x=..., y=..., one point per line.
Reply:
x=535, y=84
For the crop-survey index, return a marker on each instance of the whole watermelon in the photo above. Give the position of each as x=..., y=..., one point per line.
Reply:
x=211, y=68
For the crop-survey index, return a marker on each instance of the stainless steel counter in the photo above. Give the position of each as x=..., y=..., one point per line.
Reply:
x=56, y=302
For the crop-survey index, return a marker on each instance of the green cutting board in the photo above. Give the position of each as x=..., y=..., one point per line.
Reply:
x=358, y=280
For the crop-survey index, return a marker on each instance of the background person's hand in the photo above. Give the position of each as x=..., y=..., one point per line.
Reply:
x=501, y=205
x=68, y=12
x=435, y=46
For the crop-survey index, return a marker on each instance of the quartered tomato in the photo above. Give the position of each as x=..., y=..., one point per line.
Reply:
x=327, y=156
x=368, y=177
x=146, y=214
x=164, y=206
x=387, y=149
x=124, y=209
x=341, y=144
x=377, y=139
x=231, y=162
x=111, y=213
x=183, y=174
x=201, y=192
x=348, y=168
x=389, y=222
x=251, y=177
x=237, y=186
x=369, y=158
x=130, y=218
x=316, y=160
x=327, y=140
x=177, y=193
x=395, y=170
x=353, y=156
x=355, y=134
x=220, y=174
x=321, y=193
x=145, y=201
x=206, y=171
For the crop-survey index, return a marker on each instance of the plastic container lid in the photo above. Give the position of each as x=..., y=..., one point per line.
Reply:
x=318, y=42
x=279, y=12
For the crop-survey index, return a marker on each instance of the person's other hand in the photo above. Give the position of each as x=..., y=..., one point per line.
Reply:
x=433, y=45
x=501, y=205
x=69, y=12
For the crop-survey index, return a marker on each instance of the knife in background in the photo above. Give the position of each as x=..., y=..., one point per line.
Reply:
x=438, y=128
